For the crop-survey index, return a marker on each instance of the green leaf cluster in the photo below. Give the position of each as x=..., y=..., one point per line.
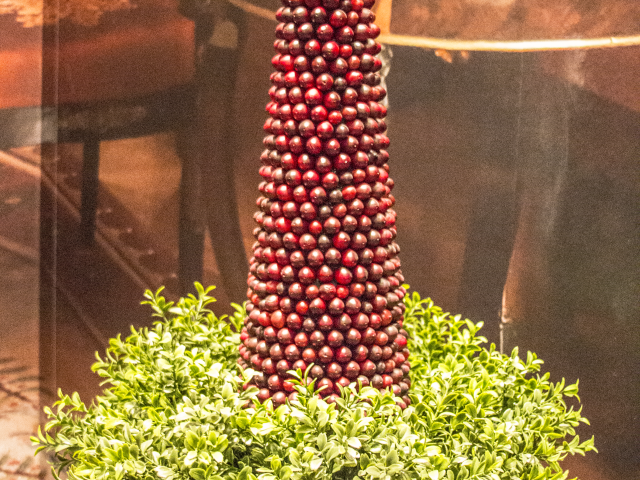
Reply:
x=175, y=408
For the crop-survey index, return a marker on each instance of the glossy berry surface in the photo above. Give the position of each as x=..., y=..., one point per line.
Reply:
x=324, y=284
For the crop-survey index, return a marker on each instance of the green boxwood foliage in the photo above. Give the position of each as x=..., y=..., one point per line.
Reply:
x=175, y=409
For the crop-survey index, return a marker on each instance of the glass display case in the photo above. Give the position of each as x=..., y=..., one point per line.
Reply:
x=130, y=139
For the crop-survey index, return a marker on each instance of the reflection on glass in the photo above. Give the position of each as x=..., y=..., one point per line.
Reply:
x=517, y=178
x=510, y=25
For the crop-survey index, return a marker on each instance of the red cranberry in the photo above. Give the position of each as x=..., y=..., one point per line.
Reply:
x=387, y=352
x=317, y=306
x=343, y=276
x=324, y=82
x=326, y=387
x=262, y=348
x=270, y=334
x=268, y=366
x=338, y=19
x=360, y=353
x=345, y=34
x=318, y=195
x=325, y=323
x=260, y=380
x=377, y=382
x=296, y=291
x=306, y=275
x=315, y=227
x=299, y=365
x=325, y=354
x=360, y=321
x=330, y=50
x=316, y=340
x=292, y=353
x=279, y=398
x=352, y=370
x=381, y=339
x=352, y=306
x=333, y=257
x=319, y=114
x=276, y=352
x=324, y=33
x=318, y=15
x=316, y=371
x=346, y=50
x=391, y=331
x=301, y=340
x=327, y=291
x=398, y=357
x=356, y=290
x=294, y=321
x=331, y=226
x=277, y=319
x=313, y=96
x=335, y=339
x=334, y=371
x=264, y=395
x=325, y=274
x=375, y=353
x=363, y=381
x=404, y=388
x=397, y=375
x=343, y=322
x=353, y=337
x=309, y=355
x=368, y=368
x=275, y=383
x=343, y=382
x=400, y=341
x=389, y=366
x=336, y=307
x=343, y=354
x=288, y=386
x=349, y=258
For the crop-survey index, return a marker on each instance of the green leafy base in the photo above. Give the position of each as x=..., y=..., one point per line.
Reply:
x=175, y=409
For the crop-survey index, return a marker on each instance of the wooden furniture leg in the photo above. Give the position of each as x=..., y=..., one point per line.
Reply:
x=90, y=186
x=217, y=74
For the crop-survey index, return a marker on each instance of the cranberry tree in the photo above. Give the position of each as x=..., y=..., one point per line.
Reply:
x=325, y=286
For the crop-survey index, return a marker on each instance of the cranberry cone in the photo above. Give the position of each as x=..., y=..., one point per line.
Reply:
x=325, y=286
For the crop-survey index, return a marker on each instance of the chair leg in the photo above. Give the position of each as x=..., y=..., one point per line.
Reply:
x=191, y=233
x=217, y=74
x=89, y=193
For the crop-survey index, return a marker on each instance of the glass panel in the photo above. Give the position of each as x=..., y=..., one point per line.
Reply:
x=517, y=185
x=21, y=122
x=516, y=179
x=514, y=20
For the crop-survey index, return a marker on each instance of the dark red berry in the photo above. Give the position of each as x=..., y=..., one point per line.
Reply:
x=264, y=395
x=316, y=371
x=309, y=355
x=352, y=370
x=334, y=371
x=275, y=383
x=326, y=387
x=343, y=354
x=335, y=339
x=325, y=354
x=353, y=337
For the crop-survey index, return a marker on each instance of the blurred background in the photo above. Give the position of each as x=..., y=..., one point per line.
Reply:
x=130, y=136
